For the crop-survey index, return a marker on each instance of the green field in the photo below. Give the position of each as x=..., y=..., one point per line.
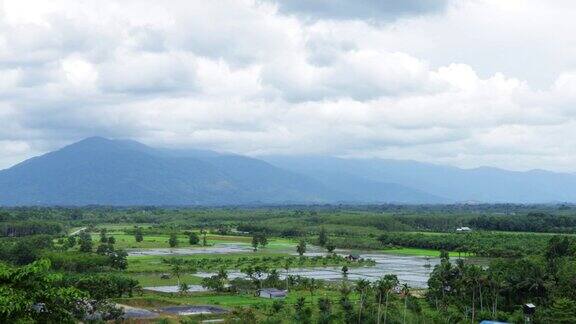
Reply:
x=128, y=241
x=155, y=299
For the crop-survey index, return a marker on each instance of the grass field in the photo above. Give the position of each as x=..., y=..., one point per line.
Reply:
x=154, y=299
x=127, y=241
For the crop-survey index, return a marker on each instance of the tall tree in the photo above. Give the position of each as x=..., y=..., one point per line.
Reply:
x=103, y=238
x=193, y=238
x=362, y=287
x=204, y=239
x=138, y=235
x=325, y=311
x=301, y=247
x=344, y=271
x=405, y=294
x=85, y=242
x=176, y=268
x=562, y=311
x=287, y=264
x=303, y=313
x=383, y=288
x=263, y=240
x=255, y=242
x=322, y=237
x=173, y=240
x=330, y=247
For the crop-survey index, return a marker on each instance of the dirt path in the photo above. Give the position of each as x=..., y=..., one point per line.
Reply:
x=77, y=231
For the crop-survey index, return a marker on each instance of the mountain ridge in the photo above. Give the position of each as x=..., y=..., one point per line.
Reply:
x=100, y=171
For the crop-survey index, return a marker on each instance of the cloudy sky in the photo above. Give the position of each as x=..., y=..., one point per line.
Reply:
x=459, y=82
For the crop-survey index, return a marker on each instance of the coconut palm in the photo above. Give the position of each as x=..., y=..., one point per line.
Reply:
x=287, y=265
x=362, y=286
x=405, y=293
x=383, y=288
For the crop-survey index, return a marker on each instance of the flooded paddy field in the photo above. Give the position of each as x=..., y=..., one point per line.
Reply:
x=220, y=248
x=193, y=310
x=175, y=288
x=413, y=270
x=137, y=313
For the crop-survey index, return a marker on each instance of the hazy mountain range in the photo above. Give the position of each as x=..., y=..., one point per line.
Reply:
x=117, y=172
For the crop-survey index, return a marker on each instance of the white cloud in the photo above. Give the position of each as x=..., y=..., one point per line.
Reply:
x=472, y=83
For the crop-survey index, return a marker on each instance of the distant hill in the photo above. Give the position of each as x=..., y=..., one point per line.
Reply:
x=450, y=183
x=112, y=172
x=99, y=171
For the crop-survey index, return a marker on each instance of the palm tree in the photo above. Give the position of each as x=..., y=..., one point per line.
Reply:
x=287, y=265
x=301, y=247
x=496, y=282
x=183, y=288
x=176, y=267
x=345, y=271
x=405, y=293
x=312, y=284
x=472, y=278
x=361, y=286
x=383, y=288
x=204, y=232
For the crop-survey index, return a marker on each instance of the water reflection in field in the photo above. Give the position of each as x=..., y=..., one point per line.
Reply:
x=413, y=270
x=220, y=248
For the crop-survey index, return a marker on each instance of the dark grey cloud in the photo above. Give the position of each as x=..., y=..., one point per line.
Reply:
x=378, y=10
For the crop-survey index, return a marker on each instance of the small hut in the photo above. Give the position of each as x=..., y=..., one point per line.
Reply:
x=353, y=257
x=273, y=293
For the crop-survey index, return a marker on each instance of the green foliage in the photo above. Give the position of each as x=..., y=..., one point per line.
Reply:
x=103, y=238
x=85, y=242
x=322, y=237
x=72, y=261
x=32, y=294
x=118, y=260
x=562, y=311
x=479, y=243
x=193, y=238
x=537, y=268
x=217, y=282
x=103, y=286
x=70, y=242
x=259, y=239
x=330, y=247
x=25, y=228
x=138, y=235
x=301, y=247
x=173, y=240
x=303, y=314
x=468, y=290
x=325, y=310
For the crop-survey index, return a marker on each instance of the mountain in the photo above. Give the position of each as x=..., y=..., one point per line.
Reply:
x=113, y=172
x=453, y=184
x=101, y=171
